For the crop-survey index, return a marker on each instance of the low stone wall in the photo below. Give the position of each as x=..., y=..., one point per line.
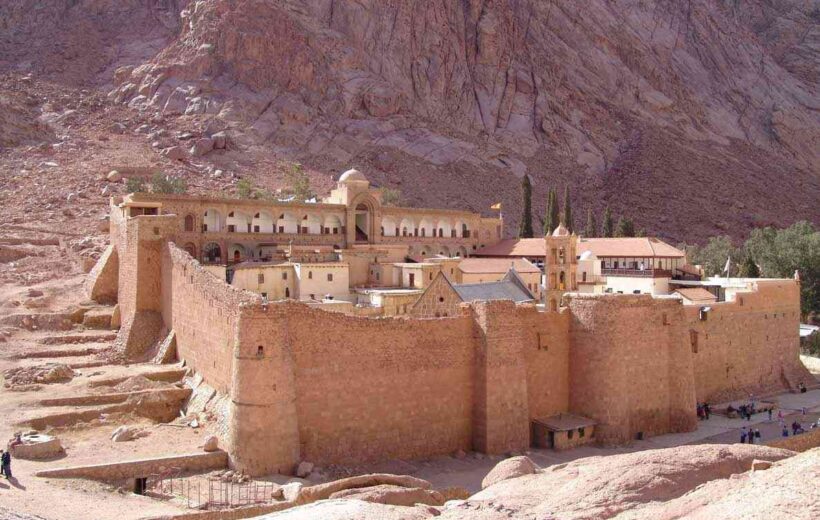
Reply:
x=141, y=468
x=801, y=442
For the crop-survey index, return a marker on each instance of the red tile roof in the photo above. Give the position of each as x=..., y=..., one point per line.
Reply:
x=515, y=247
x=643, y=247
x=632, y=247
x=496, y=265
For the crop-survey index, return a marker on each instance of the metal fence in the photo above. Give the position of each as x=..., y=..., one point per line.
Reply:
x=210, y=494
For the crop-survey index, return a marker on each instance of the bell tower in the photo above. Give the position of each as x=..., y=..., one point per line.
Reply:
x=560, y=265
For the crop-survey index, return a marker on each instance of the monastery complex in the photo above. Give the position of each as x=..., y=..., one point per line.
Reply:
x=348, y=331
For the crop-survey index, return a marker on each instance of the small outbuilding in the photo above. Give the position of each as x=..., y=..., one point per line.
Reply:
x=562, y=431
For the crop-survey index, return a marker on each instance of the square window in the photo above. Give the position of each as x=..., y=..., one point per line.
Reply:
x=330, y=277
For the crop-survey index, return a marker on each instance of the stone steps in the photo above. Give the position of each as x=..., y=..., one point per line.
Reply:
x=60, y=352
x=90, y=336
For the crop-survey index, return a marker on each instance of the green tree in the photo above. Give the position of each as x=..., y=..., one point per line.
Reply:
x=244, y=188
x=391, y=197
x=714, y=254
x=607, y=229
x=298, y=183
x=749, y=269
x=135, y=185
x=781, y=252
x=525, y=230
x=161, y=183
x=551, y=216
x=568, y=220
x=625, y=228
x=590, y=231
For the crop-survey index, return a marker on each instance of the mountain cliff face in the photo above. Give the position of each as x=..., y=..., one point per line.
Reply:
x=694, y=117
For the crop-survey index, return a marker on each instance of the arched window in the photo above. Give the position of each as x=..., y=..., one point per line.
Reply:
x=189, y=223
x=212, y=252
x=561, y=281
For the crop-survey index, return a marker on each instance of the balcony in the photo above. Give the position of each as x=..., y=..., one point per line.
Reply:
x=637, y=273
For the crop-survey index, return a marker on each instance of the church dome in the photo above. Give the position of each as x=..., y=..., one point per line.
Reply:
x=352, y=175
x=561, y=231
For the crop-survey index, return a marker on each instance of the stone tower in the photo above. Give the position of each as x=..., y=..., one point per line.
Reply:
x=560, y=265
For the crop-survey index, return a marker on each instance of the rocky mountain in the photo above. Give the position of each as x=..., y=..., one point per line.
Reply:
x=694, y=117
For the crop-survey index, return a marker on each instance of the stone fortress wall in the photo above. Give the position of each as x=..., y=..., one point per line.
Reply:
x=332, y=388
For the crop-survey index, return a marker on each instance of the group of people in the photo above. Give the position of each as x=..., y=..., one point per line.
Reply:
x=749, y=434
x=745, y=411
x=704, y=411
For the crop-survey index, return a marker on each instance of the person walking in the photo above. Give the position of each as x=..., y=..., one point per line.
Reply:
x=743, y=435
x=770, y=415
x=5, y=462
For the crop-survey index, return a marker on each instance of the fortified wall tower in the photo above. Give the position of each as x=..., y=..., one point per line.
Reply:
x=630, y=365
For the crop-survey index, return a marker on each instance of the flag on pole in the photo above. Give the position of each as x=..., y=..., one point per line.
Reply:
x=728, y=265
x=497, y=206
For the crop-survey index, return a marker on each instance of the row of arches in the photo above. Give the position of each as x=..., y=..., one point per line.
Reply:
x=424, y=227
x=428, y=251
x=238, y=221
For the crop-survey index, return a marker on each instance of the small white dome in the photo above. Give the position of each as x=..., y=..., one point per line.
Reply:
x=352, y=175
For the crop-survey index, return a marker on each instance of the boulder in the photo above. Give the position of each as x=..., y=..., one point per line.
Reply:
x=392, y=495
x=175, y=153
x=113, y=176
x=126, y=433
x=202, y=146
x=34, y=293
x=304, y=468
x=211, y=443
x=117, y=128
x=291, y=491
x=220, y=140
x=507, y=469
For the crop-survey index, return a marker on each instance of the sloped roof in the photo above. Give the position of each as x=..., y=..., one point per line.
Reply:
x=629, y=246
x=496, y=265
x=528, y=247
x=600, y=247
x=509, y=288
x=697, y=294
x=566, y=421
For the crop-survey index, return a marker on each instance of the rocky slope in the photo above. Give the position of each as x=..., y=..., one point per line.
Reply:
x=696, y=117
x=704, y=481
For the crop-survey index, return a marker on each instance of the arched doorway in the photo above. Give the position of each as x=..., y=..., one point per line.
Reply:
x=190, y=249
x=363, y=218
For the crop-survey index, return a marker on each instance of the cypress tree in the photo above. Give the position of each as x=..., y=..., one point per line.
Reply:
x=749, y=268
x=625, y=228
x=568, y=221
x=607, y=230
x=554, y=213
x=550, y=221
x=526, y=215
x=589, y=230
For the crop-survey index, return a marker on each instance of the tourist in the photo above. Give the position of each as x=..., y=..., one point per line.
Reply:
x=5, y=462
x=700, y=412
x=785, y=432
x=707, y=410
x=751, y=436
x=780, y=415
x=757, y=433
x=770, y=415
x=802, y=387
x=796, y=427
x=743, y=435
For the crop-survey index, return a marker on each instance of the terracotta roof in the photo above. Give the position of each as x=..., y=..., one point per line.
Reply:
x=689, y=269
x=697, y=294
x=496, y=265
x=632, y=247
x=529, y=247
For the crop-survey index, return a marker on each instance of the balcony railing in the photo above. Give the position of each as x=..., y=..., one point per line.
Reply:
x=644, y=273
